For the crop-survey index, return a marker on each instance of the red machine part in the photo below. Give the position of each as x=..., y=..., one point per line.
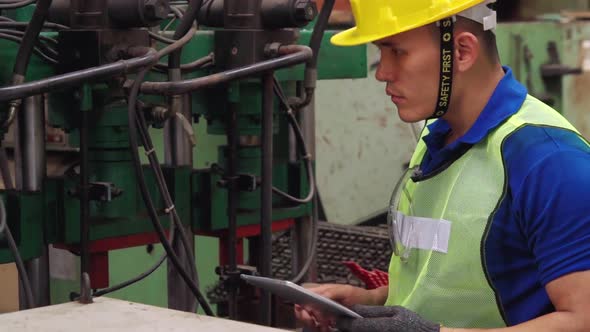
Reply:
x=99, y=250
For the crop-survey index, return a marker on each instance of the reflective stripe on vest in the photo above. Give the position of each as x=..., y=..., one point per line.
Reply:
x=452, y=288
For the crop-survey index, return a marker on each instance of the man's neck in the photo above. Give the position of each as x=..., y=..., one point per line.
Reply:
x=470, y=99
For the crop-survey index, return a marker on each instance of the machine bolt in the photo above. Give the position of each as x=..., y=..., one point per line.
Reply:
x=156, y=10
x=305, y=10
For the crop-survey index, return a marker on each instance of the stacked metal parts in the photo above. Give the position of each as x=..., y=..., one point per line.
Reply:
x=367, y=246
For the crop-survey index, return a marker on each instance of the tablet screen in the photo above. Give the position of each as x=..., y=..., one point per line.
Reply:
x=299, y=295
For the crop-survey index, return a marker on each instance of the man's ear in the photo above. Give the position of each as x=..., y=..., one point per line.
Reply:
x=467, y=51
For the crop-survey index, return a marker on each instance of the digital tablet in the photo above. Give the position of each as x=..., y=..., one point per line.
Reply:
x=297, y=294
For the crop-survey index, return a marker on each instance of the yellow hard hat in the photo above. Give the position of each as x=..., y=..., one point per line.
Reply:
x=377, y=19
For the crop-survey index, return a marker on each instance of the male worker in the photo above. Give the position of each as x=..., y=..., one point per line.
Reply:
x=491, y=226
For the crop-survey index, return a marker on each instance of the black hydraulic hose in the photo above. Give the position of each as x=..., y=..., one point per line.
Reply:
x=130, y=282
x=315, y=43
x=31, y=35
x=36, y=50
x=146, y=196
x=310, y=179
x=51, y=52
x=183, y=27
x=313, y=186
x=22, y=271
x=318, y=32
x=22, y=33
x=266, y=192
x=142, y=276
x=295, y=54
x=163, y=187
x=77, y=77
x=302, y=146
x=142, y=128
x=161, y=181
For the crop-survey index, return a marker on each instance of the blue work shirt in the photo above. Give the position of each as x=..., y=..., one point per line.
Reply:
x=541, y=230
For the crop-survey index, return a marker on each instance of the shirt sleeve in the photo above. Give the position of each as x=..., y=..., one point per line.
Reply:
x=554, y=211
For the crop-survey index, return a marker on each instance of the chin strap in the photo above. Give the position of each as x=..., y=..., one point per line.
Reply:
x=447, y=48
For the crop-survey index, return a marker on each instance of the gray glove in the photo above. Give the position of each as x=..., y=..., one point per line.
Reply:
x=385, y=319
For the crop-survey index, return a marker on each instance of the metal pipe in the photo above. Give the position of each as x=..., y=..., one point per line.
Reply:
x=30, y=173
x=291, y=55
x=75, y=78
x=143, y=57
x=232, y=205
x=38, y=274
x=178, y=153
x=179, y=150
x=179, y=294
x=31, y=144
x=266, y=192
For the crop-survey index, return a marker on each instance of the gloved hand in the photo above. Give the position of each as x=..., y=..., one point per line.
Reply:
x=385, y=319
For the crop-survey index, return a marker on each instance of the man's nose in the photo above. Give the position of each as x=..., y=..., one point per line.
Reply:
x=385, y=70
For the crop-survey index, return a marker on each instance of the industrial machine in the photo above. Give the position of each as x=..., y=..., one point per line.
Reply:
x=135, y=123
x=86, y=86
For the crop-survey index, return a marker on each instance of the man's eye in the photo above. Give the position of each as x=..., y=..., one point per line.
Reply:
x=397, y=51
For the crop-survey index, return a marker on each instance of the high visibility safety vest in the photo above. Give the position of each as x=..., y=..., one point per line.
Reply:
x=447, y=283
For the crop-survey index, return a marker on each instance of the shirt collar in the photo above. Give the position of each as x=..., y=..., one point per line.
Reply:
x=506, y=100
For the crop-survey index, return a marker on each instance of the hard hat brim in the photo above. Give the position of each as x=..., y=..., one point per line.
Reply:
x=353, y=37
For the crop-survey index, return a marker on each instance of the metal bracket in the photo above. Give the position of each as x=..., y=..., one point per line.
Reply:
x=99, y=191
x=244, y=182
x=230, y=277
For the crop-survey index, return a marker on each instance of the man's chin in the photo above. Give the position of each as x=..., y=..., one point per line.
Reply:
x=410, y=116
